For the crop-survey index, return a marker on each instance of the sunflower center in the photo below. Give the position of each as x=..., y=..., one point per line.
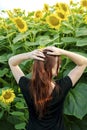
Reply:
x=19, y=23
x=7, y=95
x=64, y=7
x=54, y=21
x=46, y=7
x=57, y=5
x=38, y=15
x=61, y=15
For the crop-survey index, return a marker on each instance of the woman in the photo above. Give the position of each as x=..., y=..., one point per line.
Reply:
x=43, y=96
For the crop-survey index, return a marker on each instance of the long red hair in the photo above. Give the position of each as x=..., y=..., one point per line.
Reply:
x=41, y=82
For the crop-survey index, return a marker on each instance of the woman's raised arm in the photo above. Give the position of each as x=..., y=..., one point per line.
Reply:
x=79, y=60
x=14, y=61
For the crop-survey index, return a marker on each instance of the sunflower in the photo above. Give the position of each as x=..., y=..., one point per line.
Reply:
x=84, y=3
x=64, y=7
x=7, y=96
x=20, y=23
x=53, y=21
x=17, y=10
x=57, y=6
x=3, y=24
x=61, y=15
x=71, y=2
x=38, y=14
x=10, y=14
x=46, y=8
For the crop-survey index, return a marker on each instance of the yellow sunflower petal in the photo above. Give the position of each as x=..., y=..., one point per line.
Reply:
x=57, y=6
x=7, y=96
x=46, y=8
x=53, y=21
x=38, y=14
x=61, y=15
x=21, y=24
x=64, y=7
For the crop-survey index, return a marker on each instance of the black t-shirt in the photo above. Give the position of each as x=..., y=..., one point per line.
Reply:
x=53, y=119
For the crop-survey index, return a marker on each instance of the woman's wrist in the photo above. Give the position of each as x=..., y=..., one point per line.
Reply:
x=61, y=51
x=17, y=59
x=27, y=55
x=64, y=52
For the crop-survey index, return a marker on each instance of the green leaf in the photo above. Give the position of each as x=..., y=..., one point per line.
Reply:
x=44, y=40
x=81, y=42
x=31, y=43
x=76, y=101
x=16, y=113
x=13, y=119
x=57, y=43
x=1, y=113
x=4, y=82
x=68, y=25
x=81, y=32
x=2, y=38
x=3, y=72
x=20, y=126
x=67, y=67
x=17, y=38
x=68, y=40
x=16, y=46
x=11, y=34
x=3, y=58
x=20, y=36
x=72, y=123
x=20, y=105
x=67, y=31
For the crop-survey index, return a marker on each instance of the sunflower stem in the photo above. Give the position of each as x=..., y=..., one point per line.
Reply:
x=3, y=81
x=9, y=41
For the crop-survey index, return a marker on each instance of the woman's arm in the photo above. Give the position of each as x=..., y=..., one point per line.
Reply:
x=79, y=60
x=14, y=61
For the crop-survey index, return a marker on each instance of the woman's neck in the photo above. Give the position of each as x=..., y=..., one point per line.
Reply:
x=52, y=87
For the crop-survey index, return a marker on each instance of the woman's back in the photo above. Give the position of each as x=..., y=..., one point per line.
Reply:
x=53, y=117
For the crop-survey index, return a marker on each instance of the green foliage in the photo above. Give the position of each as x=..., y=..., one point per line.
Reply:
x=76, y=102
x=72, y=36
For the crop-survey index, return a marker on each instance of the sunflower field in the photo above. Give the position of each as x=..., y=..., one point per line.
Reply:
x=60, y=25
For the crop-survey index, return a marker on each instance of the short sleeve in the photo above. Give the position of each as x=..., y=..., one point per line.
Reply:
x=65, y=84
x=24, y=84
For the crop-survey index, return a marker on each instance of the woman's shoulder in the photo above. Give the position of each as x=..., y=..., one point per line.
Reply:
x=65, y=83
x=64, y=80
x=24, y=81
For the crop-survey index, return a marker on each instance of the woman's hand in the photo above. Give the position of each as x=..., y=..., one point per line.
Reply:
x=14, y=61
x=53, y=50
x=36, y=54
